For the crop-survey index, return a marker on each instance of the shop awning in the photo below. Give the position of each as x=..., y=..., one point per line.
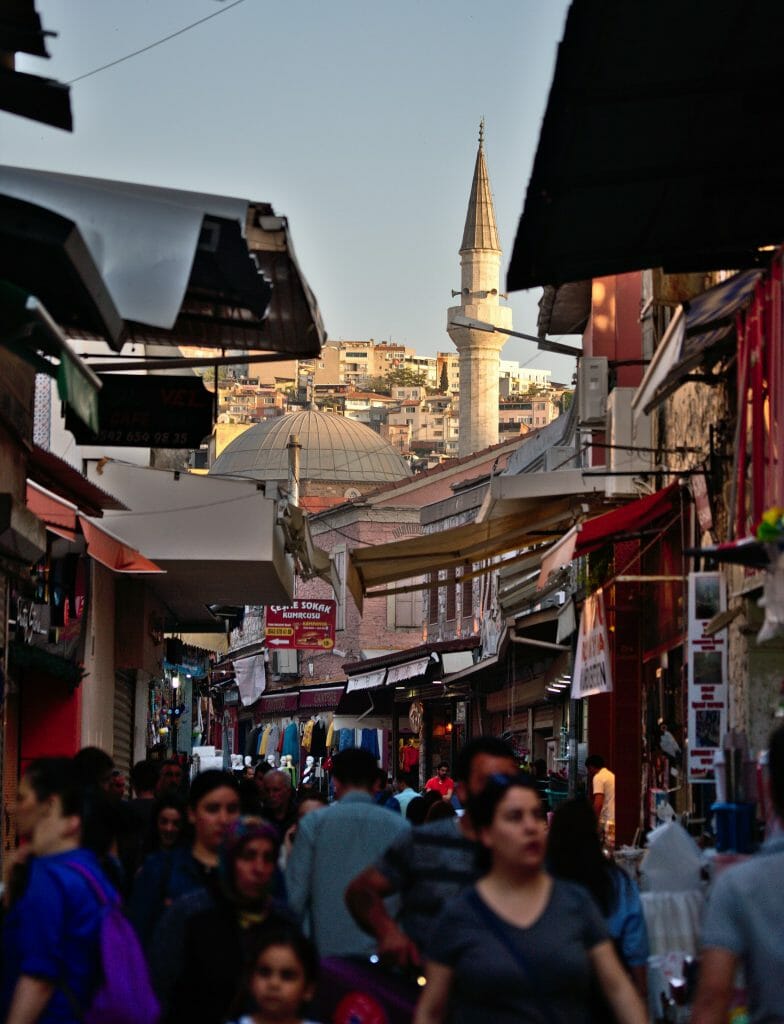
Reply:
x=217, y=539
x=462, y=546
x=278, y=704
x=367, y=680
x=410, y=670
x=365, y=709
x=602, y=198
x=114, y=553
x=320, y=698
x=631, y=518
x=59, y=477
x=701, y=331
x=184, y=267
x=59, y=516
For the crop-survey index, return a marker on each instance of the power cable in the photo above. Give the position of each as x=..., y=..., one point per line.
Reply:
x=151, y=46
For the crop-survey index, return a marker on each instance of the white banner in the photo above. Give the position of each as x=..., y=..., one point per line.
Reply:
x=707, y=708
x=592, y=670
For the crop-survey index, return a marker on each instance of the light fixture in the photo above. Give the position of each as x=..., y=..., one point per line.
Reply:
x=175, y=681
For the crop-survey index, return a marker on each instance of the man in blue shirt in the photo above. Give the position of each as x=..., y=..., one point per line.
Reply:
x=743, y=924
x=332, y=846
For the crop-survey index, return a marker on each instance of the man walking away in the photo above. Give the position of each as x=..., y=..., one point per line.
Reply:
x=743, y=924
x=602, y=783
x=333, y=845
x=428, y=866
x=405, y=791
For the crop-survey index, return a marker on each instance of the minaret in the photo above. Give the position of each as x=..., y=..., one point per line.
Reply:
x=480, y=263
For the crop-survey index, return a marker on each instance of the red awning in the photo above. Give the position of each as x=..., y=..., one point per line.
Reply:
x=58, y=516
x=629, y=518
x=113, y=553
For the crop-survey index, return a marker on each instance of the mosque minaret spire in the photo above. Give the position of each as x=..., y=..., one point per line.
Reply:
x=480, y=360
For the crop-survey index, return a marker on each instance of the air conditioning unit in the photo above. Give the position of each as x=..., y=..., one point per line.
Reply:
x=626, y=434
x=591, y=391
x=284, y=663
x=560, y=457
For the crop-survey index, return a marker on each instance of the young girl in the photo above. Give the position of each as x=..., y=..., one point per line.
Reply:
x=279, y=980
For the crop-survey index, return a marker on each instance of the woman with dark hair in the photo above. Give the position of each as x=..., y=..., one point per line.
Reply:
x=168, y=826
x=520, y=947
x=51, y=957
x=206, y=937
x=213, y=806
x=574, y=852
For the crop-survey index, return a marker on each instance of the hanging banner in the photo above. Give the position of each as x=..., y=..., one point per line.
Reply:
x=302, y=625
x=707, y=707
x=592, y=669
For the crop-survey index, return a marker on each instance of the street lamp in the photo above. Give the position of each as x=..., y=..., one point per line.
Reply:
x=543, y=343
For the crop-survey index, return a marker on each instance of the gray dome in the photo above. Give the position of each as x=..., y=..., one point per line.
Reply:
x=333, y=448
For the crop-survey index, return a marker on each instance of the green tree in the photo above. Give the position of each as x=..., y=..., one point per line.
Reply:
x=443, y=384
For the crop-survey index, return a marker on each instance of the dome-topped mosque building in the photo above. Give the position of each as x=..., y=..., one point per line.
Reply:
x=340, y=458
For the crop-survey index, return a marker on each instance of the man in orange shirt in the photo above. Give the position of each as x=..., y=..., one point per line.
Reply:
x=441, y=782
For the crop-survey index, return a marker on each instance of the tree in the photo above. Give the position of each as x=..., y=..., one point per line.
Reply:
x=444, y=382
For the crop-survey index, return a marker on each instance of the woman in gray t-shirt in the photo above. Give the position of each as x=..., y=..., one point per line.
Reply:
x=520, y=947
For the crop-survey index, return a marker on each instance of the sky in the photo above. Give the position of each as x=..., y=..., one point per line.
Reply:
x=357, y=120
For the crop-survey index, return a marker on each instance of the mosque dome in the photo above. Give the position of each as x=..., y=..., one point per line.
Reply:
x=334, y=449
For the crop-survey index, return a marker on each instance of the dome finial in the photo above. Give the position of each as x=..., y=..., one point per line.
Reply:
x=482, y=132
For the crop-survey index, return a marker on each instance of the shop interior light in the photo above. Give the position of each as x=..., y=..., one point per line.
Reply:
x=175, y=681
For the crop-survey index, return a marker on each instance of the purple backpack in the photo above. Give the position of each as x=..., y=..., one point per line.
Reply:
x=125, y=994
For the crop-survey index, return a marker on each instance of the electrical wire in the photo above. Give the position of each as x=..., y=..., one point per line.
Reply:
x=151, y=46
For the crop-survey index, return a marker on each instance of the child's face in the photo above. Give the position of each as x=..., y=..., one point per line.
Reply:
x=278, y=985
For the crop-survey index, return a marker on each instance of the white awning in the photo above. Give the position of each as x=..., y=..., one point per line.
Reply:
x=664, y=358
x=218, y=540
x=409, y=670
x=558, y=556
x=367, y=680
x=141, y=238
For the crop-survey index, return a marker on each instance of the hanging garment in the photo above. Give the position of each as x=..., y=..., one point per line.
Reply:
x=370, y=741
x=318, y=745
x=330, y=735
x=307, y=735
x=273, y=739
x=346, y=739
x=409, y=757
x=252, y=741
x=290, y=742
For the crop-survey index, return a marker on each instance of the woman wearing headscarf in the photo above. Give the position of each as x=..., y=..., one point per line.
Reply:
x=201, y=944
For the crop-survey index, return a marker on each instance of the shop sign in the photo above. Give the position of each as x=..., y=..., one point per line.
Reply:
x=592, y=669
x=148, y=412
x=707, y=667
x=302, y=625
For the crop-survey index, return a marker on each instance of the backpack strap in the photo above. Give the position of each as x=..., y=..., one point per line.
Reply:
x=95, y=885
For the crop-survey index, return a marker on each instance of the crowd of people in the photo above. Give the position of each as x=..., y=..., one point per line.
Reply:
x=241, y=892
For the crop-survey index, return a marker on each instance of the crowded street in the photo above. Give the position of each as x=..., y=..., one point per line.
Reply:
x=429, y=668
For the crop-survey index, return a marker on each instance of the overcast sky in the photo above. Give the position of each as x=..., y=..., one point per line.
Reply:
x=356, y=119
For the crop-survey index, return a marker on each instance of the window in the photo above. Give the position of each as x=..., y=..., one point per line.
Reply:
x=451, y=595
x=404, y=611
x=467, y=598
x=432, y=614
x=339, y=561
